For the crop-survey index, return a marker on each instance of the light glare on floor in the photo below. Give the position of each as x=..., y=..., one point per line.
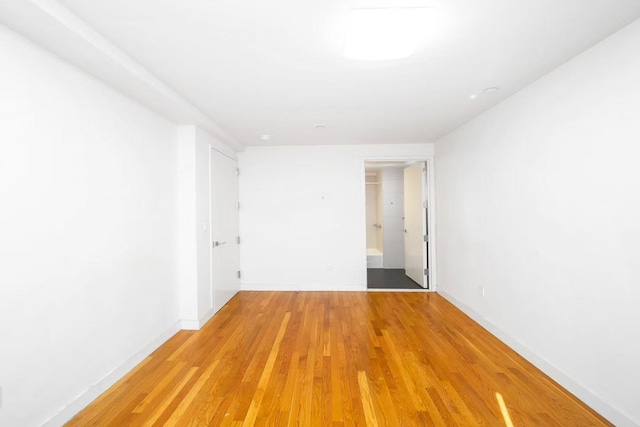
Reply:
x=504, y=410
x=382, y=34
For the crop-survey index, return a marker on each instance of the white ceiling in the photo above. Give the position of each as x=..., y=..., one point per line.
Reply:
x=276, y=67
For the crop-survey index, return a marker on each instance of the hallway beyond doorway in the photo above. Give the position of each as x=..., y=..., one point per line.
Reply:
x=390, y=278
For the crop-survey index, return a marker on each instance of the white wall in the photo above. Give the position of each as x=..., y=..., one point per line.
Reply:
x=302, y=215
x=539, y=203
x=188, y=228
x=88, y=281
x=393, y=212
x=194, y=212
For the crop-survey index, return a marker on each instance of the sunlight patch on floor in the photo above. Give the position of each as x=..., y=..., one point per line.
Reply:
x=504, y=410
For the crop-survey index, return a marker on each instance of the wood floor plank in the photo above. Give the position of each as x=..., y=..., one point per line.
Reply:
x=337, y=359
x=191, y=395
x=367, y=401
x=250, y=417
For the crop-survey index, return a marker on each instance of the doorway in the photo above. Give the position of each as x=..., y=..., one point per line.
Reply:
x=398, y=229
x=225, y=253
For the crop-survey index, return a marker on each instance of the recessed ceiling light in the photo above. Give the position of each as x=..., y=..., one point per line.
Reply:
x=265, y=137
x=320, y=126
x=491, y=89
x=389, y=33
x=474, y=96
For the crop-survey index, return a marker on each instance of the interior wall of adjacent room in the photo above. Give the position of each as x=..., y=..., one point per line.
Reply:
x=88, y=225
x=380, y=213
x=372, y=209
x=393, y=211
x=538, y=204
x=302, y=215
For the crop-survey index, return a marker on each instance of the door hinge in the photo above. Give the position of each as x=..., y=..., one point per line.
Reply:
x=238, y=205
x=238, y=239
x=424, y=204
x=239, y=275
x=426, y=237
x=237, y=171
x=424, y=171
x=426, y=271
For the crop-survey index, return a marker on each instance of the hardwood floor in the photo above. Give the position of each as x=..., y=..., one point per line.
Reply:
x=329, y=358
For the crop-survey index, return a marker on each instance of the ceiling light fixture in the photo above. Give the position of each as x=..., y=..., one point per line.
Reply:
x=472, y=97
x=390, y=33
x=320, y=127
x=265, y=137
x=493, y=89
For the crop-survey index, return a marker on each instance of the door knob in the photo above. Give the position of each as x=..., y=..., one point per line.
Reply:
x=218, y=243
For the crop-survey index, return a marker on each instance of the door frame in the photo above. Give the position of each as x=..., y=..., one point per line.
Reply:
x=431, y=214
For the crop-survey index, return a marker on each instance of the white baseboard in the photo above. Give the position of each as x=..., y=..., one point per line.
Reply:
x=610, y=413
x=204, y=319
x=196, y=324
x=189, y=324
x=349, y=287
x=95, y=390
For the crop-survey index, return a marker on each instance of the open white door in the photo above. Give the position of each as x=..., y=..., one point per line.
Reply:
x=224, y=229
x=415, y=224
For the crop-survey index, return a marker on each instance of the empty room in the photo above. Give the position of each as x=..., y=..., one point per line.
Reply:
x=319, y=213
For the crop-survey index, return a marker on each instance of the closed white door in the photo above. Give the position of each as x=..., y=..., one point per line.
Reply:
x=415, y=223
x=224, y=229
